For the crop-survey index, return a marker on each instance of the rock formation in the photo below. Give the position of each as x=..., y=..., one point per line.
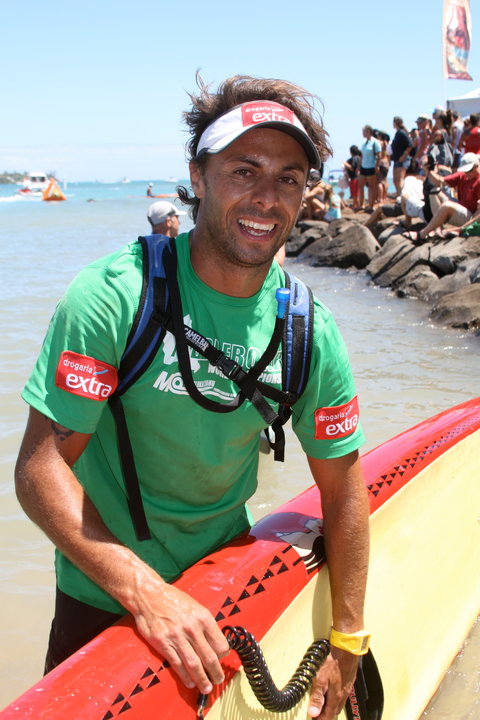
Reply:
x=445, y=273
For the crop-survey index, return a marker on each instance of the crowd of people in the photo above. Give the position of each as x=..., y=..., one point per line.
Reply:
x=435, y=167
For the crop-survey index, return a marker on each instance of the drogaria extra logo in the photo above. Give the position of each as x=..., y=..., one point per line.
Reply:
x=85, y=376
x=259, y=112
x=336, y=422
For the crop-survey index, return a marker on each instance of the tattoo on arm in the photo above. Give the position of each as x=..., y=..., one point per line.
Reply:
x=62, y=432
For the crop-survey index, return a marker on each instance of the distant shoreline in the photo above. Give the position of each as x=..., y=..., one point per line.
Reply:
x=11, y=178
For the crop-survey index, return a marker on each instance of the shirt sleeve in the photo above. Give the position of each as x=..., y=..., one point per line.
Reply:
x=326, y=418
x=90, y=323
x=452, y=180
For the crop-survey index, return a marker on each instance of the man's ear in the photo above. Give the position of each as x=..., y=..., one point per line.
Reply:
x=196, y=179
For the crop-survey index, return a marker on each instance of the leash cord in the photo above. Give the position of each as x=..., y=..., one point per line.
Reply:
x=259, y=677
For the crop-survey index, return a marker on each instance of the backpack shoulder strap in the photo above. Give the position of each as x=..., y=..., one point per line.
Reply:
x=144, y=339
x=296, y=355
x=298, y=336
x=147, y=332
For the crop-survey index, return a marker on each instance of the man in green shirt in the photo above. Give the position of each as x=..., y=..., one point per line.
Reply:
x=252, y=145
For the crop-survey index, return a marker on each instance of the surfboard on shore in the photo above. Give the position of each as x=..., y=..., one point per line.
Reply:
x=422, y=599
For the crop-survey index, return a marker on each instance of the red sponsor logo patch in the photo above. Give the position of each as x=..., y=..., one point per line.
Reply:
x=85, y=376
x=336, y=422
x=259, y=112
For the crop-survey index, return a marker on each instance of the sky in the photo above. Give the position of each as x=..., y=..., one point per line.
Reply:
x=96, y=90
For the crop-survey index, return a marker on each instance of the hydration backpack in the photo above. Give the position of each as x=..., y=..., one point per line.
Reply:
x=160, y=309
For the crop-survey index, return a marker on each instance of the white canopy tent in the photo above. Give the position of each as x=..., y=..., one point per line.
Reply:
x=466, y=104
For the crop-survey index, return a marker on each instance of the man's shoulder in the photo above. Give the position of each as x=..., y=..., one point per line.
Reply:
x=121, y=271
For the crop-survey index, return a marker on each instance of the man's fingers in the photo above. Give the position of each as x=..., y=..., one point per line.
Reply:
x=208, y=655
x=193, y=658
x=317, y=698
x=186, y=634
x=217, y=640
x=171, y=655
x=317, y=701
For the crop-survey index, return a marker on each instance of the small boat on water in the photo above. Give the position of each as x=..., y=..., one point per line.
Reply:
x=422, y=599
x=34, y=184
x=334, y=176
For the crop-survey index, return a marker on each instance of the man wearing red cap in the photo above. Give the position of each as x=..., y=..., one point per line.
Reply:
x=447, y=211
x=253, y=143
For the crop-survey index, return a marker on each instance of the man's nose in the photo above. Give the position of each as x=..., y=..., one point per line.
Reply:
x=265, y=192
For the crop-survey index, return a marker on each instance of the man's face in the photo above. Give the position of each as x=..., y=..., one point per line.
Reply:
x=250, y=195
x=173, y=223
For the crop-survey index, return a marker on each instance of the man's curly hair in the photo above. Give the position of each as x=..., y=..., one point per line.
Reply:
x=207, y=106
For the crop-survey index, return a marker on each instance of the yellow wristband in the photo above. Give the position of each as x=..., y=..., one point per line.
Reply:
x=354, y=643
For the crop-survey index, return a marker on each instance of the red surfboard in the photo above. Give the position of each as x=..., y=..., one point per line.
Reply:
x=421, y=487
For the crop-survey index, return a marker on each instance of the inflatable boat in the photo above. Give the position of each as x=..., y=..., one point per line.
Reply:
x=423, y=595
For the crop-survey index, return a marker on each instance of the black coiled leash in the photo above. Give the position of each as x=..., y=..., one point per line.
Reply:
x=259, y=677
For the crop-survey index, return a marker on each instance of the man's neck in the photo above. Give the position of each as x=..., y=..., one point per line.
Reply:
x=224, y=277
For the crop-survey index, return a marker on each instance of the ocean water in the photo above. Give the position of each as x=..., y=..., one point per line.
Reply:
x=406, y=369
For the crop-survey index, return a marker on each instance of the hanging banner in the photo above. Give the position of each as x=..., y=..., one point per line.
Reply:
x=457, y=31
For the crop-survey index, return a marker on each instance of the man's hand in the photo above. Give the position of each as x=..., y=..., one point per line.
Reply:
x=176, y=625
x=332, y=685
x=185, y=634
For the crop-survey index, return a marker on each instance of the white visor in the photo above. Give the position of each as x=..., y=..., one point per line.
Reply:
x=259, y=113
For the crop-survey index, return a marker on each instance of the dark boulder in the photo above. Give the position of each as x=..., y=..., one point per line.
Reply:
x=304, y=234
x=348, y=244
x=396, y=260
x=460, y=309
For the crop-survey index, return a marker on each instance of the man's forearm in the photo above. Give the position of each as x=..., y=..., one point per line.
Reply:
x=53, y=498
x=346, y=531
x=176, y=625
x=347, y=549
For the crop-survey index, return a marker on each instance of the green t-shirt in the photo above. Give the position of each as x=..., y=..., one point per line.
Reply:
x=197, y=468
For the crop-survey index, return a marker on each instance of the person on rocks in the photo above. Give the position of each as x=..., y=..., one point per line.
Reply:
x=457, y=130
x=470, y=139
x=424, y=125
x=252, y=143
x=316, y=200
x=383, y=166
x=352, y=168
x=440, y=146
x=370, y=150
x=401, y=146
x=409, y=203
x=460, y=214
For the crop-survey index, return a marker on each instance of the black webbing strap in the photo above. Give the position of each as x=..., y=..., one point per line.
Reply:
x=169, y=316
x=245, y=381
x=132, y=485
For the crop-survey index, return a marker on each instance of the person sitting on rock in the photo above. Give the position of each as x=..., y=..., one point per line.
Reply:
x=334, y=211
x=410, y=202
x=461, y=213
x=316, y=200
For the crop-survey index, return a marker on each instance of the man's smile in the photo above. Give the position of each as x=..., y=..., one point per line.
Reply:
x=257, y=229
